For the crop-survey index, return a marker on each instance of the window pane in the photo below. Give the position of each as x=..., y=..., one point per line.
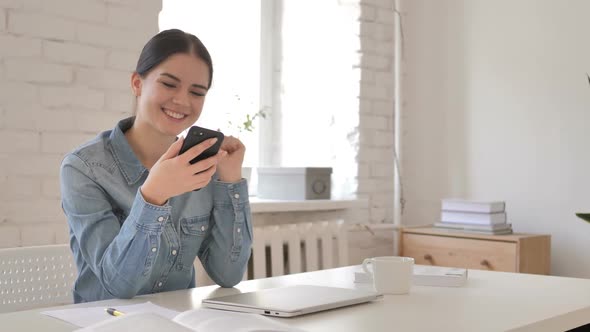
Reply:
x=231, y=31
x=319, y=86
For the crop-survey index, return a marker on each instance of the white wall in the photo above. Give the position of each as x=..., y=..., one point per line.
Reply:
x=64, y=76
x=496, y=106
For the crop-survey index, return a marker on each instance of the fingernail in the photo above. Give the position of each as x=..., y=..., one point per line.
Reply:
x=213, y=141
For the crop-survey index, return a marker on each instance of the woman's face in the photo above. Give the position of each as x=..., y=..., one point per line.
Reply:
x=170, y=98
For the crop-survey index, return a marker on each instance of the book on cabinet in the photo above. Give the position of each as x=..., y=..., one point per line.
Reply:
x=473, y=206
x=473, y=217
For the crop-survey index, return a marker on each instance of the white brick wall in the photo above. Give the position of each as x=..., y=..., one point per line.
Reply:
x=36, y=71
x=74, y=53
x=121, y=60
x=71, y=96
x=19, y=46
x=61, y=63
x=10, y=235
x=79, y=10
x=19, y=142
x=41, y=25
x=375, y=155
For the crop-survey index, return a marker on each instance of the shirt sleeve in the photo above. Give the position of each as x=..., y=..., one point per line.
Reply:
x=121, y=254
x=225, y=252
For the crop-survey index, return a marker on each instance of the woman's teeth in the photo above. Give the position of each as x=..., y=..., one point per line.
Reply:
x=174, y=114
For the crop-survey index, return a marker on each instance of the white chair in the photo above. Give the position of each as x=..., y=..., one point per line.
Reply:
x=33, y=277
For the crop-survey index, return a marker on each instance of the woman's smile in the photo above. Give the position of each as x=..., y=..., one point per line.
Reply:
x=174, y=115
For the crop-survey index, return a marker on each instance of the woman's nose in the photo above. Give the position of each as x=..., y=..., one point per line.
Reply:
x=180, y=99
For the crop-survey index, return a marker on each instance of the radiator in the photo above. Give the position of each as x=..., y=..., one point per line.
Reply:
x=300, y=247
x=292, y=248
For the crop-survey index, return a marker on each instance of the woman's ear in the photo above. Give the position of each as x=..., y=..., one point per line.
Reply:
x=136, y=84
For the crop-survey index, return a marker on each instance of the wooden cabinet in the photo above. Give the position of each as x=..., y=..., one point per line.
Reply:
x=526, y=253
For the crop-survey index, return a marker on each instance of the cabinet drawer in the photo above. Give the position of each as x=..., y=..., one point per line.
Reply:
x=460, y=252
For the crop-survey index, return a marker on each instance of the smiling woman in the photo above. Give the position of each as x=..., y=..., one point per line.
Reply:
x=136, y=225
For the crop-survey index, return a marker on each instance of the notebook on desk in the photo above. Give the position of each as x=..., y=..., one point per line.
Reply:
x=291, y=301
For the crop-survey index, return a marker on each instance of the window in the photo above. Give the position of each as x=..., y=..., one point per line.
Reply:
x=293, y=58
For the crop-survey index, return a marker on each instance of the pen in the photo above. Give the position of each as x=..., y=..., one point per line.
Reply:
x=114, y=312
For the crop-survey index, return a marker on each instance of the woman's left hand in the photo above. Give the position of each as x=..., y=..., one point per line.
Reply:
x=229, y=167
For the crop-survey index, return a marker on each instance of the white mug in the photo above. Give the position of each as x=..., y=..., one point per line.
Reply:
x=391, y=274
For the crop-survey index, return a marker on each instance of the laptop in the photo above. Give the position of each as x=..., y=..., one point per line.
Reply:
x=291, y=301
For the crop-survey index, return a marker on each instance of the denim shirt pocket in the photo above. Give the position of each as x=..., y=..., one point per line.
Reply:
x=193, y=231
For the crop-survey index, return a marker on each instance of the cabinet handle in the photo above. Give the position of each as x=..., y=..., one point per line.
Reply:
x=428, y=257
x=486, y=263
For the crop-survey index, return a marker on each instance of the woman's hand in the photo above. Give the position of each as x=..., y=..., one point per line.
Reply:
x=173, y=174
x=230, y=166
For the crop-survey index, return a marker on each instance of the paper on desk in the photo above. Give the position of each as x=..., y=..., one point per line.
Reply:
x=83, y=317
x=426, y=276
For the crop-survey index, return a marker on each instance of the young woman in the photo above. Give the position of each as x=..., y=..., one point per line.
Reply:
x=136, y=223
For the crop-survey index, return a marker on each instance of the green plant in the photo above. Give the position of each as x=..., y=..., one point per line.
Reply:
x=246, y=119
x=247, y=123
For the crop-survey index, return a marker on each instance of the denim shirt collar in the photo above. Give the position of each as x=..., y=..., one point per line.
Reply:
x=130, y=166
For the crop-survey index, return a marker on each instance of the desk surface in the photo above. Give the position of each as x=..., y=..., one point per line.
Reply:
x=490, y=301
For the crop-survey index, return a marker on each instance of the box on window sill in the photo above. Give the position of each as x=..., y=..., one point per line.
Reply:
x=294, y=183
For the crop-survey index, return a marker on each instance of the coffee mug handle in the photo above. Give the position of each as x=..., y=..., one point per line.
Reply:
x=366, y=262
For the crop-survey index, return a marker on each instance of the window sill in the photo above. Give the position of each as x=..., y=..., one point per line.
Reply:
x=258, y=205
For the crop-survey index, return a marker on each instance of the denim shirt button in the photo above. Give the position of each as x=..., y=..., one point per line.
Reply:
x=160, y=284
x=154, y=249
x=160, y=218
x=202, y=228
x=239, y=230
x=174, y=252
x=236, y=196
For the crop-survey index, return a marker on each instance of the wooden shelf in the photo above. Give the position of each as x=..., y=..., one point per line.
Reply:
x=527, y=253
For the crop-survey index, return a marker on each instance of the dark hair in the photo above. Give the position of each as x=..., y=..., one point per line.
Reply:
x=170, y=42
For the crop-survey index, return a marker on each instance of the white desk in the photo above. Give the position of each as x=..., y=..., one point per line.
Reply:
x=490, y=301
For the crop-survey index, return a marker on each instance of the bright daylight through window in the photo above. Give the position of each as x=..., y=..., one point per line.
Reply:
x=288, y=59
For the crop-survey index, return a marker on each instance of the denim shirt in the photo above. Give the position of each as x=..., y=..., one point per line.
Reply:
x=124, y=246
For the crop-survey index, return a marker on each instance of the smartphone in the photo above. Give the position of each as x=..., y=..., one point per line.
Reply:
x=197, y=135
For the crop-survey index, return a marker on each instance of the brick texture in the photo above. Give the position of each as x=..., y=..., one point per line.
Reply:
x=41, y=25
x=376, y=132
x=73, y=53
x=58, y=62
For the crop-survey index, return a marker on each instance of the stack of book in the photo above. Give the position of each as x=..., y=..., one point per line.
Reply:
x=474, y=216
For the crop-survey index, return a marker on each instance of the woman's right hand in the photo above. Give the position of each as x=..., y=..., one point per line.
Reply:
x=173, y=174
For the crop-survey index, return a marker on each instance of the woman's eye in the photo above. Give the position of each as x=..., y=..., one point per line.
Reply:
x=168, y=85
x=197, y=94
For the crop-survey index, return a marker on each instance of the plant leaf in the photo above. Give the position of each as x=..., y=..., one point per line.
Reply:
x=584, y=216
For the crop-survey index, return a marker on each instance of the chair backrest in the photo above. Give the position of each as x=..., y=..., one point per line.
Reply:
x=33, y=277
